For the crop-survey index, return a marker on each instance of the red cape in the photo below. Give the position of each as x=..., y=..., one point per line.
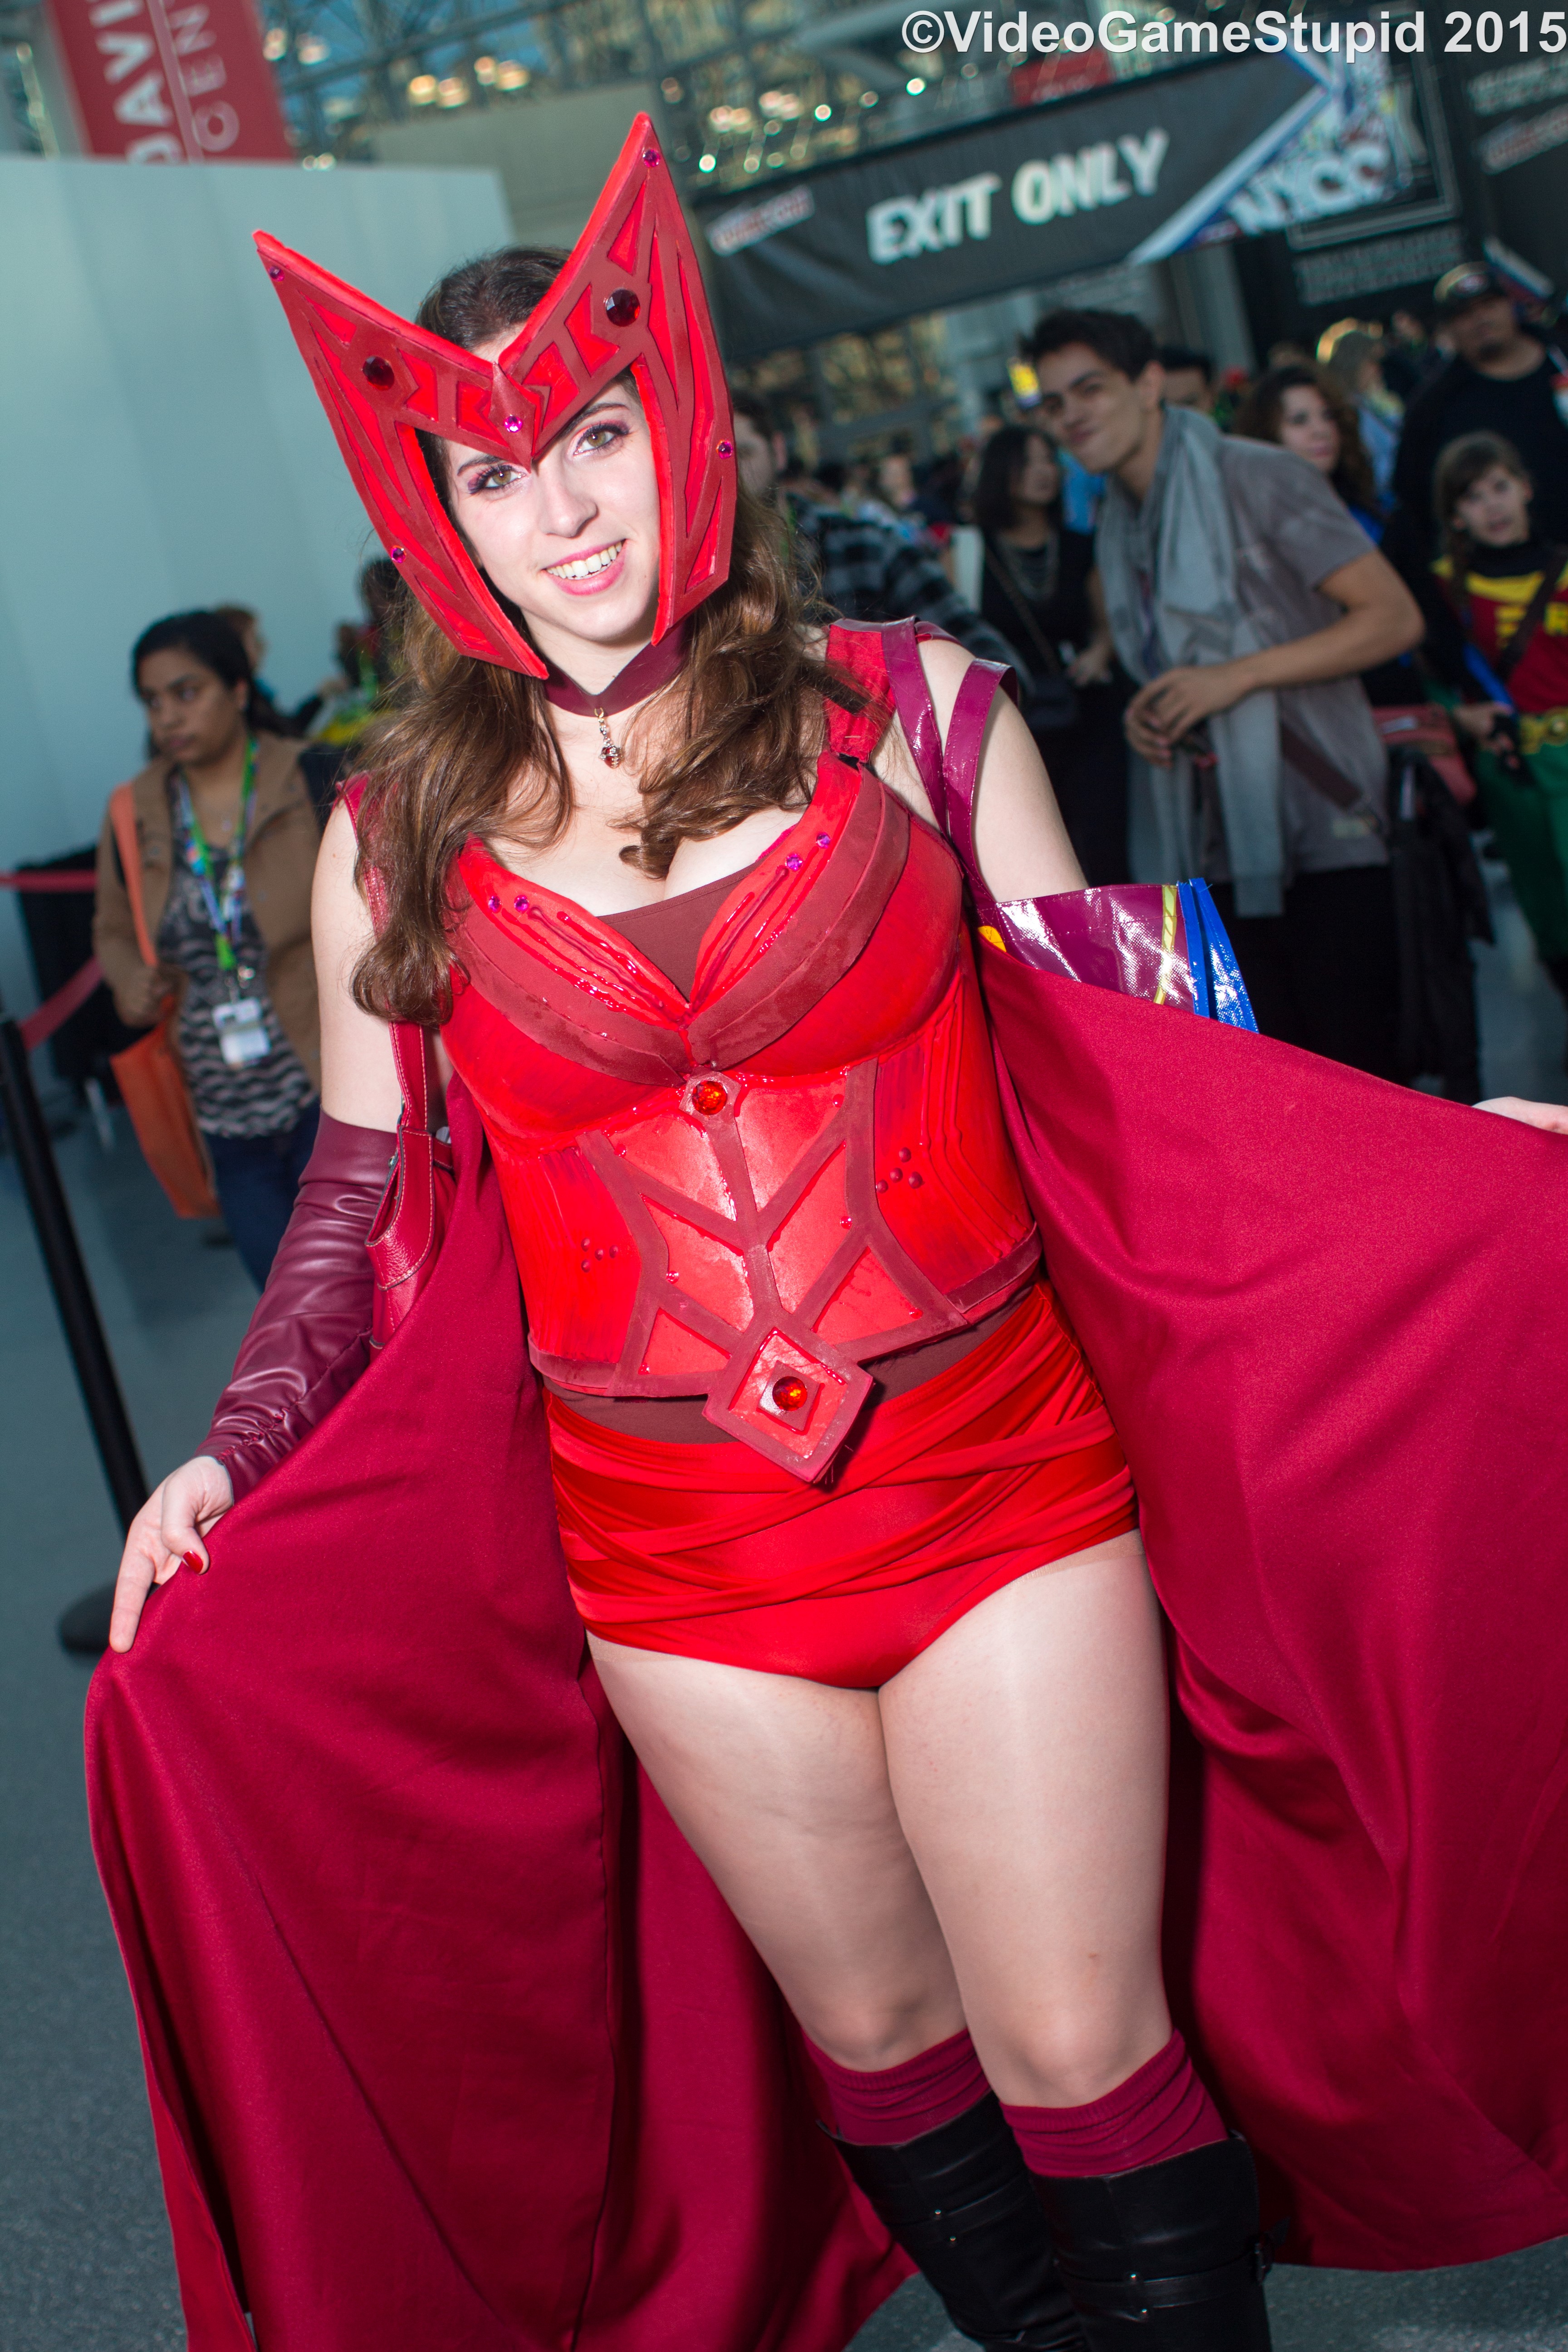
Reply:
x=448, y=2037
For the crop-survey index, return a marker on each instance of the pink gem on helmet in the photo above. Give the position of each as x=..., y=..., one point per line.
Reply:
x=638, y=246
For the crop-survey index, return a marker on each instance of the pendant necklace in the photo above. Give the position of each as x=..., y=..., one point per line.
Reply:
x=646, y=674
x=609, y=751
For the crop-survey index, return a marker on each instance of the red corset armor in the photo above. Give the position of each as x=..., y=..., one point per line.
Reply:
x=751, y=1193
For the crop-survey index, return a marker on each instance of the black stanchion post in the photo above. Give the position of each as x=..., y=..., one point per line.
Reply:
x=78, y=1314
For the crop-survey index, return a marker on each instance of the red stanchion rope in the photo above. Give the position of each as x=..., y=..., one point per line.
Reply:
x=57, y=1010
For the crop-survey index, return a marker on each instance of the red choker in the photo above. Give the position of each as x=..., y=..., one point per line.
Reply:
x=643, y=674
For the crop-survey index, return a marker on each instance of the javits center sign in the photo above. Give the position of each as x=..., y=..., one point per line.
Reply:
x=1127, y=174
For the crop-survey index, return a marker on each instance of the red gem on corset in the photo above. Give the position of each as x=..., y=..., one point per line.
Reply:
x=709, y=1097
x=789, y=1394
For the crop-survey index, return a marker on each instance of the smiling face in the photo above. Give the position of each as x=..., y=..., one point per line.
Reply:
x=571, y=539
x=1105, y=418
x=1307, y=426
x=192, y=715
x=1495, y=509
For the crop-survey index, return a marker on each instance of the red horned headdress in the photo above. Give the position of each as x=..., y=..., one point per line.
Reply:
x=629, y=298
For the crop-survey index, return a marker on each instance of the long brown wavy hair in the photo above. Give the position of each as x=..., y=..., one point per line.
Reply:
x=737, y=730
x=1257, y=419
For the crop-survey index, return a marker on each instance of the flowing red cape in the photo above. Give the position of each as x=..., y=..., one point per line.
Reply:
x=448, y=2037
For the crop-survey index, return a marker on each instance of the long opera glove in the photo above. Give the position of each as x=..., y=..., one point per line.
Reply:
x=308, y=1340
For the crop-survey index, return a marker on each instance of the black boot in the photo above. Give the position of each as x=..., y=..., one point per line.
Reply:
x=960, y=2203
x=1165, y=2259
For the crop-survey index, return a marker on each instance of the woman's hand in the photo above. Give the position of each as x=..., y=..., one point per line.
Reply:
x=1093, y=665
x=1171, y=705
x=1551, y=1116
x=141, y=997
x=1480, y=721
x=165, y=1535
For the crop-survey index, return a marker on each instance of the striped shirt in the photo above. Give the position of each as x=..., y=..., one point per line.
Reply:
x=267, y=1096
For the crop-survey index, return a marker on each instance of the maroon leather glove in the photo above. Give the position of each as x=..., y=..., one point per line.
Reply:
x=309, y=1336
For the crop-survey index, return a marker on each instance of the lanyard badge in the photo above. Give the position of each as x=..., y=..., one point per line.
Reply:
x=241, y=1023
x=225, y=914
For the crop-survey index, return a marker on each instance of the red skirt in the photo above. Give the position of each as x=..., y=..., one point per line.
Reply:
x=1003, y=1463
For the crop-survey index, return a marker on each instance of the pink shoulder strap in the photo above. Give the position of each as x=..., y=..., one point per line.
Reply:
x=950, y=771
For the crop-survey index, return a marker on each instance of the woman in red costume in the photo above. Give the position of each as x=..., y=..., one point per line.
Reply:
x=843, y=1511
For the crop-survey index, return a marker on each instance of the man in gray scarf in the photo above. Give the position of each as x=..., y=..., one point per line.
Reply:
x=1246, y=600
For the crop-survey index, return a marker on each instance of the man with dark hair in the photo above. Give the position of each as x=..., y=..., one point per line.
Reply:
x=1122, y=341
x=868, y=571
x=1503, y=378
x=1189, y=378
x=1245, y=598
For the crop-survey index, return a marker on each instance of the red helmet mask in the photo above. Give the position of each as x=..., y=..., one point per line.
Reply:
x=630, y=299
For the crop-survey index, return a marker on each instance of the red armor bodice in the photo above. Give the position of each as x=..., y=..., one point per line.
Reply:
x=749, y=1192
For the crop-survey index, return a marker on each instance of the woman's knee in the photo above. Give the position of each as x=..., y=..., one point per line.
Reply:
x=876, y=2030
x=1068, y=2057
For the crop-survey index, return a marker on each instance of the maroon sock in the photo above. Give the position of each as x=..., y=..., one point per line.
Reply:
x=899, y=2103
x=1160, y=2111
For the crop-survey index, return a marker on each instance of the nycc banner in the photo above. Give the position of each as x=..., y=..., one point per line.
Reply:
x=1131, y=172
x=171, y=81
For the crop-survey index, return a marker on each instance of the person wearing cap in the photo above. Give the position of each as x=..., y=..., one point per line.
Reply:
x=1504, y=378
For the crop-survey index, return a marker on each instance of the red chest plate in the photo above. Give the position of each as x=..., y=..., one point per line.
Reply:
x=749, y=1194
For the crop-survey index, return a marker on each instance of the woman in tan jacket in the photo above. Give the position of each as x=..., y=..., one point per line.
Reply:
x=228, y=843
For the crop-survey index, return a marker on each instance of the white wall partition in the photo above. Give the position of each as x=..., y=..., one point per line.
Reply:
x=160, y=445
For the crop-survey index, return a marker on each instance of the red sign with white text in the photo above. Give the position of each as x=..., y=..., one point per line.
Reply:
x=171, y=81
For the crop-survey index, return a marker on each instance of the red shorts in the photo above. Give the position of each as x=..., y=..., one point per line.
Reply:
x=1001, y=1464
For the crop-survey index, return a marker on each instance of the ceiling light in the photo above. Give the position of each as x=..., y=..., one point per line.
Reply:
x=452, y=90
x=275, y=44
x=311, y=50
x=510, y=75
x=867, y=97
x=708, y=162
x=824, y=113
x=484, y=70
x=422, y=90
x=914, y=85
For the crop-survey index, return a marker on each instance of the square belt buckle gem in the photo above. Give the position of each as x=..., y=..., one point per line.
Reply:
x=788, y=1401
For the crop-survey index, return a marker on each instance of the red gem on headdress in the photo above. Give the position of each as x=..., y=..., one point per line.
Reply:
x=789, y=1394
x=708, y=1096
x=621, y=307
x=636, y=248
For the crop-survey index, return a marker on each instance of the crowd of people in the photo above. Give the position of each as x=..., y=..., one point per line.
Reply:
x=1290, y=677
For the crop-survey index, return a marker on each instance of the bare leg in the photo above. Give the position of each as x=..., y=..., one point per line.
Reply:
x=780, y=1787
x=1000, y=1801
x=1027, y=1759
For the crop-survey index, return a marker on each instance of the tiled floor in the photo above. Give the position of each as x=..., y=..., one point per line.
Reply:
x=84, y=2264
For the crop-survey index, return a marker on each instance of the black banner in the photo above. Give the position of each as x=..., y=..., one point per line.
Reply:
x=1129, y=172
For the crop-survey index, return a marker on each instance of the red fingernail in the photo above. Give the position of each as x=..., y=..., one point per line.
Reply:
x=194, y=1562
